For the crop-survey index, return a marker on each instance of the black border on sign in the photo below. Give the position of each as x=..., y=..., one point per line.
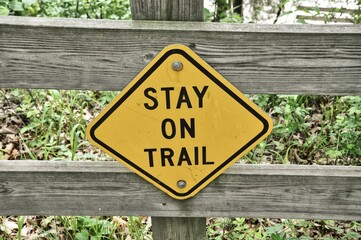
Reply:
x=211, y=77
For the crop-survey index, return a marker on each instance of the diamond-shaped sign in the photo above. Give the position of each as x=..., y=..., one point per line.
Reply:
x=179, y=124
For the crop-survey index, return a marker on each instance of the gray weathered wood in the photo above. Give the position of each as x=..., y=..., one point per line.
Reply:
x=171, y=10
x=321, y=19
x=107, y=55
x=107, y=188
x=306, y=9
x=179, y=228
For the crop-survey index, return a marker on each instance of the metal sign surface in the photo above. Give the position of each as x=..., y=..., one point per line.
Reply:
x=179, y=124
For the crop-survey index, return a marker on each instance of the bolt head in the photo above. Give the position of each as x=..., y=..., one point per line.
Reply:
x=177, y=66
x=181, y=184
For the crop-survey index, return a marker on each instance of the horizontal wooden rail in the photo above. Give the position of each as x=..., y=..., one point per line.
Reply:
x=106, y=55
x=107, y=188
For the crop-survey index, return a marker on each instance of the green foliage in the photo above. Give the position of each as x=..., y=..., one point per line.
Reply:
x=266, y=9
x=307, y=128
x=81, y=228
x=137, y=229
x=20, y=226
x=222, y=13
x=281, y=10
x=221, y=10
x=345, y=134
x=232, y=18
x=332, y=14
x=280, y=229
x=356, y=15
x=97, y=9
x=87, y=228
x=75, y=228
x=55, y=121
x=310, y=129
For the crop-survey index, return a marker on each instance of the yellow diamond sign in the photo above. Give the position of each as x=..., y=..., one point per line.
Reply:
x=179, y=124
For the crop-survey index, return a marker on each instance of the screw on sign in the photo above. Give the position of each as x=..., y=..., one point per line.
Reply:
x=179, y=124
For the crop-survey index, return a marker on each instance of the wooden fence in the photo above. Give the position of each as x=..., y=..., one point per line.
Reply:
x=106, y=55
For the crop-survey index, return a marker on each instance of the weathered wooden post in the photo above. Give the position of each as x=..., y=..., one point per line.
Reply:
x=172, y=10
x=168, y=10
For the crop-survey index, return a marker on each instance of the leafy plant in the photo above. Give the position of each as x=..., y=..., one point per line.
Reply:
x=20, y=226
x=280, y=229
x=223, y=12
x=53, y=122
x=97, y=9
x=310, y=129
x=137, y=229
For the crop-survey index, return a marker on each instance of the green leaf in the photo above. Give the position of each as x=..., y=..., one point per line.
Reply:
x=352, y=235
x=28, y=2
x=301, y=20
x=274, y=229
x=286, y=13
x=239, y=221
x=332, y=153
x=4, y=11
x=16, y=6
x=355, y=110
x=241, y=236
x=277, y=237
x=83, y=235
x=258, y=235
x=317, y=10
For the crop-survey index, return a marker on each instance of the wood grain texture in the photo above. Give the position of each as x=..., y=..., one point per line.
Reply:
x=178, y=228
x=179, y=10
x=107, y=188
x=107, y=55
x=172, y=10
x=168, y=10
